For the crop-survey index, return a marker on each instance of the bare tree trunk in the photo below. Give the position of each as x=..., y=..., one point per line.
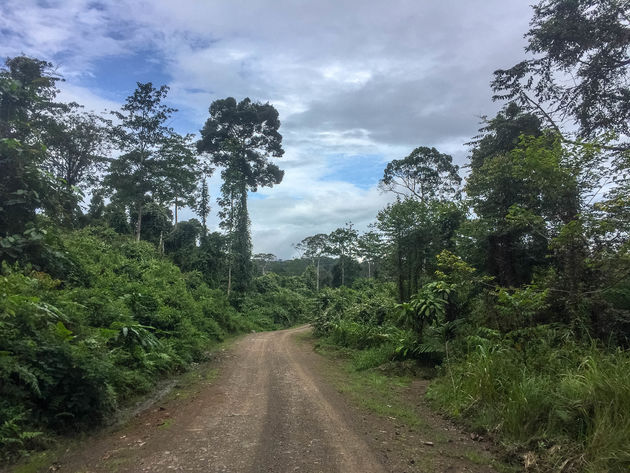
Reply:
x=317, y=285
x=401, y=286
x=139, y=224
x=161, y=245
x=175, y=210
x=369, y=270
x=229, y=288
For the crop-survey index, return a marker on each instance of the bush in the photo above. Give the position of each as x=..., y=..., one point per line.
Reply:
x=72, y=349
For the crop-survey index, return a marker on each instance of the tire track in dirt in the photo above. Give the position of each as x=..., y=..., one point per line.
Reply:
x=271, y=409
x=263, y=414
x=303, y=428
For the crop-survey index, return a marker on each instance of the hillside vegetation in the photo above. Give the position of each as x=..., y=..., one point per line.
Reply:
x=114, y=319
x=507, y=282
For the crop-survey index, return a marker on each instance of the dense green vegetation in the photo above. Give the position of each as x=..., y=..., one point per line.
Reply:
x=511, y=283
x=119, y=319
x=516, y=285
x=97, y=306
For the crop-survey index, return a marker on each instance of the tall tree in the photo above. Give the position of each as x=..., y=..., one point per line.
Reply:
x=202, y=204
x=240, y=138
x=156, y=162
x=502, y=133
x=424, y=174
x=27, y=91
x=342, y=243
x=157, y=223
x=369, y=248
x=77, y=146
x=314, y=247
x=263, y=259
x=178, y=173
x=493, y=189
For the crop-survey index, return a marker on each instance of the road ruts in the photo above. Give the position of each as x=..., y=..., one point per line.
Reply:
x=267, y=412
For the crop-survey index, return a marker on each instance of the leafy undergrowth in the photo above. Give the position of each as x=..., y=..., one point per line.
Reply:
x=559, y=408
x=114, y=320
x=181, y=386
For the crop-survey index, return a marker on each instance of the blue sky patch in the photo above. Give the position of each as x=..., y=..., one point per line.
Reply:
x=364, y=171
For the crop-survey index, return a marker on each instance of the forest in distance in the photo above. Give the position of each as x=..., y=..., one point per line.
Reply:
x=508, y=279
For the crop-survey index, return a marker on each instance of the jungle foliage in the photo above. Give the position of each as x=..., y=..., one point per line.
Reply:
x=516, y=285
x=96, y=307
x=511, y=282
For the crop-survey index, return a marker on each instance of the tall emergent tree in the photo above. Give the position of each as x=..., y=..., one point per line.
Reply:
x=424, y=174
x=240, y=138
x=156, y=163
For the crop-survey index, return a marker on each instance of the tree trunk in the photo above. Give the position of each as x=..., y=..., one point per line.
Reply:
x=401, y=285
x=229, y=288
x=139, y=224
x=242, y=249
x=317, y=285
x=501, y=259
x=175, y=210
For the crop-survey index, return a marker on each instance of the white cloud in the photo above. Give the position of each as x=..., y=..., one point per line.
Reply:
x=90, y=99
x=355, y=82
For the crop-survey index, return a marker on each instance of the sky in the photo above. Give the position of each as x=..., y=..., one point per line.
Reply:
x=357, y=83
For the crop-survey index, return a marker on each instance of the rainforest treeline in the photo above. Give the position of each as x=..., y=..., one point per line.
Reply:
x=511, y=275
x=508, y=276
x=103, y=289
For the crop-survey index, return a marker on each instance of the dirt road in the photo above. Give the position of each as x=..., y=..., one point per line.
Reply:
x=269, y=410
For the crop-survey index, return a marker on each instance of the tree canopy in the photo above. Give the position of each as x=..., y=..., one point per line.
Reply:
x=587, y=41
x=424, y=174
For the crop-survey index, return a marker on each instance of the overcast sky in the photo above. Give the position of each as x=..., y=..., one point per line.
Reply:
x=356, y=83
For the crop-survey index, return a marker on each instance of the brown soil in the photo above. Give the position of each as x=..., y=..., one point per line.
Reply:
x=271, y=409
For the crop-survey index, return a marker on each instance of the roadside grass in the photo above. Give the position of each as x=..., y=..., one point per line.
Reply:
x=373, y=382
x=567, y=409
x=36, y=462
x=366, y=387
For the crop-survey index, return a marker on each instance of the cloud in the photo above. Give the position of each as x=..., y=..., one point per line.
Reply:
x=356, y=83
x=90, y=99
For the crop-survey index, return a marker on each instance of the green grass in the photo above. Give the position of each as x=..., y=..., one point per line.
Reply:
x=166, y=424
x=480, y=459
x=567, y=405
x=36, y=462
x=369, y=389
